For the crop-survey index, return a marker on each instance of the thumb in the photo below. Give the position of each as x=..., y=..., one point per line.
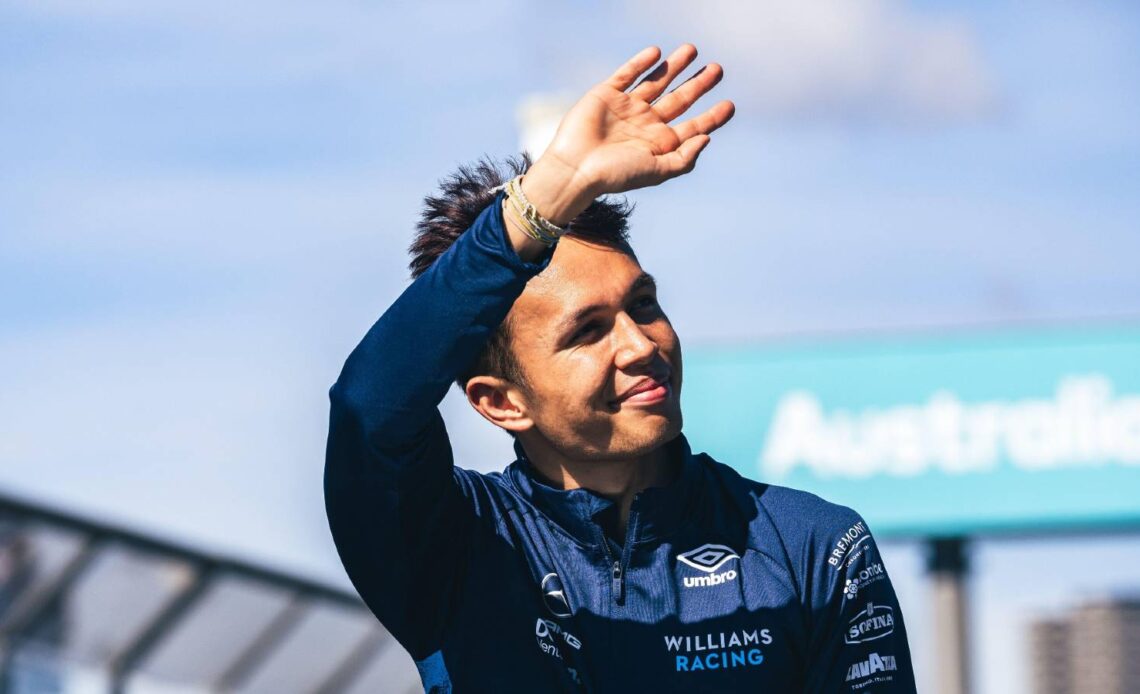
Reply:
x=684, y=158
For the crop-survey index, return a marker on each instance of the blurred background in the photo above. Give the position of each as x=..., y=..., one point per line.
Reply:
x=904, y=275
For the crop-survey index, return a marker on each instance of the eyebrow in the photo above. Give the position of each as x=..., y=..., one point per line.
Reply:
x=643, y=281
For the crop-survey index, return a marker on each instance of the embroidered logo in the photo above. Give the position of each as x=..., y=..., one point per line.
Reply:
x=554, y=596
x=875, y=622
x=708, y=557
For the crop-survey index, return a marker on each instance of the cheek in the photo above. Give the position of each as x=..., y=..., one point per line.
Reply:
x=582, y=379
x=667, y=339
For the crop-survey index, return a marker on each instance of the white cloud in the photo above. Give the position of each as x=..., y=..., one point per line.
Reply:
x=869, y=61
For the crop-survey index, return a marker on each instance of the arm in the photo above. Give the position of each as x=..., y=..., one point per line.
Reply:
x=859, y=642
x=397, y=516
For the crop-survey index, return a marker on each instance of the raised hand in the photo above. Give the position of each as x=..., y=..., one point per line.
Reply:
x=619, y=140
x=613, y=140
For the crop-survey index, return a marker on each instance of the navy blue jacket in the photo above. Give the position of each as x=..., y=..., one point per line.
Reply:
x=501, y=583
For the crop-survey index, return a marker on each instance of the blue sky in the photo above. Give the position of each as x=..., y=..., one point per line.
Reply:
x=204, y=205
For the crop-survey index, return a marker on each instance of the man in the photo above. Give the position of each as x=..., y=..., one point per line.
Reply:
x=608, y=556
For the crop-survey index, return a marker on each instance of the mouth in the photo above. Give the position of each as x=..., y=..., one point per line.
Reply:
x=650, y=391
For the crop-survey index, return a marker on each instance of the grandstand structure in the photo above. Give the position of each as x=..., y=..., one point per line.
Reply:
x=88, y=607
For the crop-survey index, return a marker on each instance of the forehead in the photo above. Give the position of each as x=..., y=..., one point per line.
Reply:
x=579, y=274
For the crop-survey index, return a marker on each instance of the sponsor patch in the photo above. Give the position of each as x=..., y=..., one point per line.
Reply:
x=551, y=637
x=708, y=558
x=871, y=671
x=720, y=650
x=872, y=573
x=855, y=536
x=554, y=595
x=874, y=622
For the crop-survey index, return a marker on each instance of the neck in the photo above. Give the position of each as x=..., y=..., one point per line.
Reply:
x=617, y=479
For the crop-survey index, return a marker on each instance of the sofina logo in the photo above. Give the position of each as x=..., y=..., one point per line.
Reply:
x=875, y=622
x=554, y=596
x=708, y=558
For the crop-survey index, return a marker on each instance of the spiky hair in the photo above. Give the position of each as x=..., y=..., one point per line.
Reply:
x=451, y=211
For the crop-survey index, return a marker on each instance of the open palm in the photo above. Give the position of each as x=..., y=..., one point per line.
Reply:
x=621, y=140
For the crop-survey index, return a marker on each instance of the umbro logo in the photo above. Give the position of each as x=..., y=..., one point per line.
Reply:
x=708, y=557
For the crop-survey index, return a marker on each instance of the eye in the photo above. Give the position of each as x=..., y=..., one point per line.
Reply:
x=646, y=303
x=585, y=331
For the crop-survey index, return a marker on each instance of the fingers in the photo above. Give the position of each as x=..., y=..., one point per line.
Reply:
x=654, y=84
x=706, y=122
x=626, y=74
x=685, y=94
x=684, y=158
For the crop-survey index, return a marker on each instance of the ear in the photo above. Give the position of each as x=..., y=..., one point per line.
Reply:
x=500, y=402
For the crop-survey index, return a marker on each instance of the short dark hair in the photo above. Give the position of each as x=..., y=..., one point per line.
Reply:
x=462, y=196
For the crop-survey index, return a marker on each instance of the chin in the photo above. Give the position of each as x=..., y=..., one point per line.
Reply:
x=652, y=433
x=617, y=436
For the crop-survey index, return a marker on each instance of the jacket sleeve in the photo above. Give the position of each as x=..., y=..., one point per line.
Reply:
x=398, y=518
x=858, y=641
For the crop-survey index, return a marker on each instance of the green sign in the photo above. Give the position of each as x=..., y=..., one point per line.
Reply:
x=954, y=434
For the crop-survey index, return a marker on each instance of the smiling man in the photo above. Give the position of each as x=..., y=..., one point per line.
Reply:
x=608, y=556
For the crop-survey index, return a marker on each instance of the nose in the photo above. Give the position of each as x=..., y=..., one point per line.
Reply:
x=634, y=346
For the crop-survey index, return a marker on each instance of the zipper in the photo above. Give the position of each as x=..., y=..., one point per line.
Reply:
x=615, y=570
x=618, y=567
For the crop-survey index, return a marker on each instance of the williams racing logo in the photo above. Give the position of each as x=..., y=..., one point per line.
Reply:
x=708, y=559
x=721, y=650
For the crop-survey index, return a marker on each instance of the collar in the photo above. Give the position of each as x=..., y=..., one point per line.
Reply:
x=582, y=512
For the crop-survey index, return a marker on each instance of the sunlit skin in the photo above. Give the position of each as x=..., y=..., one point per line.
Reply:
x=568, y=415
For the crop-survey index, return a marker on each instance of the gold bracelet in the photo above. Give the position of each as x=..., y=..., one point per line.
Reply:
x=512, y=212
x=527, y=217
x=528, y=211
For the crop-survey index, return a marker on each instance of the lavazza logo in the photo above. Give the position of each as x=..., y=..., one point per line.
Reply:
x=708, y=558
x=872, y=670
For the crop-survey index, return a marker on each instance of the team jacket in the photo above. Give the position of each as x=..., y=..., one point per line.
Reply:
x=501, y=583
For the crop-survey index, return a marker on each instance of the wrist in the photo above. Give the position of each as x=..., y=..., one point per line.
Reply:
x=558, y=191
x=528, y=249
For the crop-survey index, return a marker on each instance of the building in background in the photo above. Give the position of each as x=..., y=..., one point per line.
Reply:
x=1094, y=649
x=1049, y=656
